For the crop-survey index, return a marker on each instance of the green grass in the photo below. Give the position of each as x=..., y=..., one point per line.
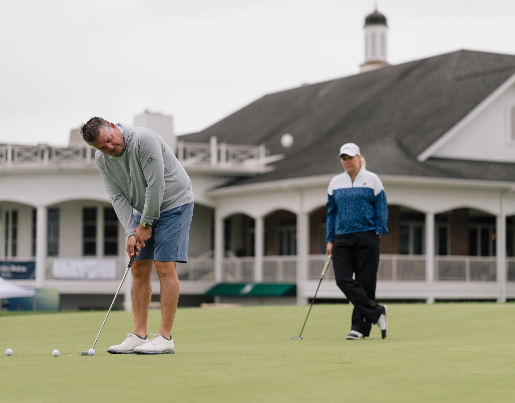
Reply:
x=434, y=353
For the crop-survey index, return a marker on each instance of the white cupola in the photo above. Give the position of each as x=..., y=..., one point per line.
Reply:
x=376, y=38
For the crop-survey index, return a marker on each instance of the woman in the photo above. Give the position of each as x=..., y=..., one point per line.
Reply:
x=357, y=214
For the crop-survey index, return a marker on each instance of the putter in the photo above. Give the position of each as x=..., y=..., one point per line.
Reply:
x=299, y=337
x=115, y=295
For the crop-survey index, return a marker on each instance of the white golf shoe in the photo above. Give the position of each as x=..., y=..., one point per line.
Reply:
x=355, y=335
x=382, y=322
x=157, y=345
x=128, y=345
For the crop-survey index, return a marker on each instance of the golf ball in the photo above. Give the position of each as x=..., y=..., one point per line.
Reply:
x=91, y=351
x=55, y=353
x=8, y=352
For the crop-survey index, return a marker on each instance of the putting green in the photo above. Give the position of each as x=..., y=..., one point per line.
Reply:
x=434, y=353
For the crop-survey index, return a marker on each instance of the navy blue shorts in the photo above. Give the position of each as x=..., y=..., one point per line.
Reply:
x=170, y=236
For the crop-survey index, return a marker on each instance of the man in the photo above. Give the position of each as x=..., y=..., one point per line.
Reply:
x=153, y=199
x=357, y=215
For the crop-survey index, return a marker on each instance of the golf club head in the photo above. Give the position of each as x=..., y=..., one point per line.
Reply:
x=84, y=353
x=297, y=338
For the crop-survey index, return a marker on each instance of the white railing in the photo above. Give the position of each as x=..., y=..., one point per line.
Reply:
x=245, y=158
x=119, y=262
x=197, y=269
x=402, y=268
x=284, y=268
x=238, y=269
x=465, y=268
x=316, y=265
x=222, y=155
x=510, y=268
x=11, y=154
x=391, y=268
x=278, y=269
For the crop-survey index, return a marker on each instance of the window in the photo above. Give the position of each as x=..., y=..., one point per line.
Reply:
x=442, y=239
x=53, y=232
x=286, y=237
x=11, y=234
x=412, y=238
x=322, y=234
x=6, y=238
x=383, y=45
x=110, y=232
x=251, y=241
x=482, y=240
x=14, y=233
x=89, y=231
x=34, y=230
x=373, y=44
x=509, y=241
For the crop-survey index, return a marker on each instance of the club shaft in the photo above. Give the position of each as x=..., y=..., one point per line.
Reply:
x=316, y=292
x=115, y=295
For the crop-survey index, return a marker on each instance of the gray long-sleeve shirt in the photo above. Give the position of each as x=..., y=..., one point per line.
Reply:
x=146, y=177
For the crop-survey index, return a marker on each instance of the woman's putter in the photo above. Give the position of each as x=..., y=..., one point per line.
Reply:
x=299, y=337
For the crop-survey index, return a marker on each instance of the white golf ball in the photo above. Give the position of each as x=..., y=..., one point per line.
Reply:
x=91, y=351
x=8, y=352
x=55, y=353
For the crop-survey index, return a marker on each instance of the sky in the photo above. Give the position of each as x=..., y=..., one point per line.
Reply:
x=64, y=61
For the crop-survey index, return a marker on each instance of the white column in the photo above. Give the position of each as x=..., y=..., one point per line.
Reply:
x=100, y=231
x=500, y=242
x=430, y=251
x=302, y=256
x=219, y=246
x=258, y=249
x=41, y=245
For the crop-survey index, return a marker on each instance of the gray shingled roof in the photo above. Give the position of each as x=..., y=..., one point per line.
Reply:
x=393, y=114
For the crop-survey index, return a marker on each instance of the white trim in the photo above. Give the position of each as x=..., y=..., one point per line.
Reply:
x=442, y=140
x=323, y=180
x=510, y=125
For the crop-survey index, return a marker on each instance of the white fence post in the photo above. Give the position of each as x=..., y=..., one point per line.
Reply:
x=214, y=151
x=9, y=154
x=223, y=153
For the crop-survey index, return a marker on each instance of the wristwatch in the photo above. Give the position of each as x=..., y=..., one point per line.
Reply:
x=145, y=225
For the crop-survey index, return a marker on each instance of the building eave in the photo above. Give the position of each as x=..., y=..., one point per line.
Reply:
x=323, y=180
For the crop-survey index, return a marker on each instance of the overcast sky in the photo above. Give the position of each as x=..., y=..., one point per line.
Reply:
x=64, y=61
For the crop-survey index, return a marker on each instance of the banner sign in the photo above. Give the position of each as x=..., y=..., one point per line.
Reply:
x=18, y=270
x=88, y=269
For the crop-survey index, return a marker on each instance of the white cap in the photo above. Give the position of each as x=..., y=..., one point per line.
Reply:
x=350, y=149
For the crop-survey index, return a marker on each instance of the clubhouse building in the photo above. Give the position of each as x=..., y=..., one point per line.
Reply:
x=439, y=132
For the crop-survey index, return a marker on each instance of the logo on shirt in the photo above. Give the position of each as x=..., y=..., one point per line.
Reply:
x=364, y=183
x=151, y=159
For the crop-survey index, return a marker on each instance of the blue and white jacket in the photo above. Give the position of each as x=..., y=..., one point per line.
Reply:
x=356, y=207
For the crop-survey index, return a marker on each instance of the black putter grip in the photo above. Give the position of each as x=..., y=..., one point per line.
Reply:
x=132, y=258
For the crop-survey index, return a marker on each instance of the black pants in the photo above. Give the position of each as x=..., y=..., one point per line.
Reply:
x=358, y=254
